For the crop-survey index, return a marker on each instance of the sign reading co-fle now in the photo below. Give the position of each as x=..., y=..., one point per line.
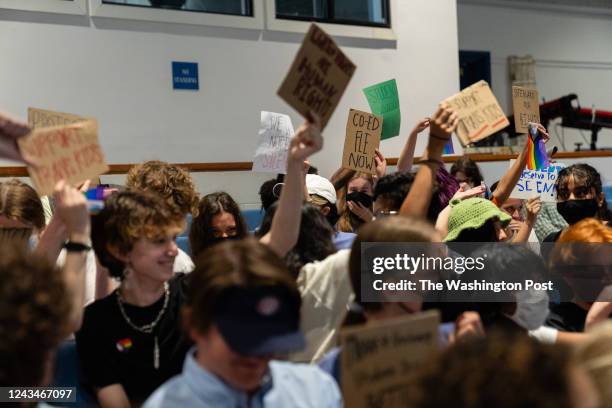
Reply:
x=363, y=133
x=72, y=153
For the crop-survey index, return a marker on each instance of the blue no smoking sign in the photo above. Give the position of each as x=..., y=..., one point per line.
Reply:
x=185, y=75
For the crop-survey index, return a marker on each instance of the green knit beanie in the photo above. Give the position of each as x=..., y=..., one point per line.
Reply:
x=471, y=214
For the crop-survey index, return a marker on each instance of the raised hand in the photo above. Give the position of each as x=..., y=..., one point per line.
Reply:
x=464, y=194
x=441, y=126
x=534, y=205
x=71, y=209
x=381, y=164
x=542, y=131
x=420, y=126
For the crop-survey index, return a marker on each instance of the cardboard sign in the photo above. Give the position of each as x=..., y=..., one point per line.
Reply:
x=384, y=100
x=526, y=105
x=318, y=76
x=378, y=359
x=538, y=183
x=363, y=132
x=70, y=152
x=39, y=118
x=275, y=134
x=479, y=113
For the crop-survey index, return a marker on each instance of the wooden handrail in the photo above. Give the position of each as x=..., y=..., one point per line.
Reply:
x=21, y=171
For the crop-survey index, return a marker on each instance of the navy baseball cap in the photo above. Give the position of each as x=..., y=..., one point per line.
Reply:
x=260, y=320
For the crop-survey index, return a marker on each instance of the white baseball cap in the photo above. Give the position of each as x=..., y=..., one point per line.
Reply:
x=321, y=186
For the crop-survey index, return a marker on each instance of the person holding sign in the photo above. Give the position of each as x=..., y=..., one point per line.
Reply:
x=22, y=216
x=355, y=202
x=508, y=181
x=356, y=198
x=41, y=305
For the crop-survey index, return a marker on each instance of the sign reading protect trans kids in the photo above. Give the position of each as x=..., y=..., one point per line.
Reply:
x=185, y=75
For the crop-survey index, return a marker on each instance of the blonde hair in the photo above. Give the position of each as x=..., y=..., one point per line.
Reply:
x=346, y=223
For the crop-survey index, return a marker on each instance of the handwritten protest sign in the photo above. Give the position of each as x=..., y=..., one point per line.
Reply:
x=318, y=76
x=538, y=183
x=378, y=359
x=384, y=100
x=363, y=132
x=38, y=118
x=526, y=104
x=479, y=113
x=70, y=152
x=275, y=134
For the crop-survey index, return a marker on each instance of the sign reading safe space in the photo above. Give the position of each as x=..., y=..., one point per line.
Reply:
x=185, y=75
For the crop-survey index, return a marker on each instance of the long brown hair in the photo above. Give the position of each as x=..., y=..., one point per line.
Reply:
x=201, y=234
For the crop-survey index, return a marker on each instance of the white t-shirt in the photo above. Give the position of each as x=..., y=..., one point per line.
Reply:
x=326, y=294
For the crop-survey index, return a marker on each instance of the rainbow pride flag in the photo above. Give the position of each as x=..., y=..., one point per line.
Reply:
x=537, y=158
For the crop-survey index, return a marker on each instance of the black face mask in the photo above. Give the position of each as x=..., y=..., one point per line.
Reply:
x=359, y=197
x=576, y=210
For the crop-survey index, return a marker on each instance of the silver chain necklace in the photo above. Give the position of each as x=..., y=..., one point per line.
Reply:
x=148, y=328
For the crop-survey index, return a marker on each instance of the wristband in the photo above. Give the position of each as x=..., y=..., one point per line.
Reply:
x=70, y=246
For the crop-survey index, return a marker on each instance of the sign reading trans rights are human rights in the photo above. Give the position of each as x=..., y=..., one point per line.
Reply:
x=480, y=272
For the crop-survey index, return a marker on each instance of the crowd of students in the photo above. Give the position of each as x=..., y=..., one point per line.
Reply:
x=253, y=321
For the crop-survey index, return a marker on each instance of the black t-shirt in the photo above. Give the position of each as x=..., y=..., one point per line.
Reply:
x=566, y=316
x=112, y=352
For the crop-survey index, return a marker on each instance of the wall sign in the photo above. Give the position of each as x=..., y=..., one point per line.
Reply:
x=185, y=75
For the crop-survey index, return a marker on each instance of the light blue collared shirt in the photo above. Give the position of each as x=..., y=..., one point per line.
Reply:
x=287, y=385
